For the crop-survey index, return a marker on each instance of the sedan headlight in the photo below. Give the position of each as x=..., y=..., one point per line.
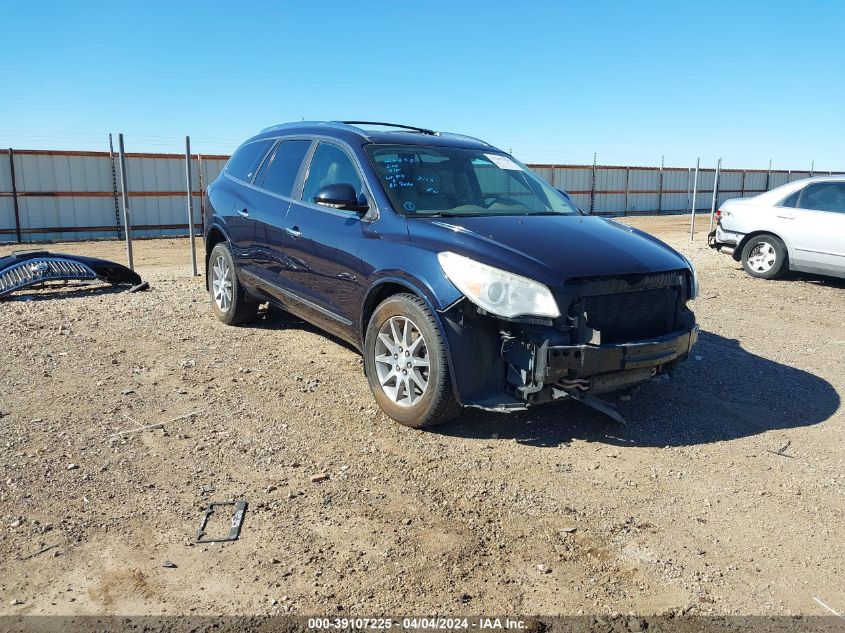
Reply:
x=498, y=291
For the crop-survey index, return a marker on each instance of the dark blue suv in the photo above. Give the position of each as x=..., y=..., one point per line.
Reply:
x=462, y=277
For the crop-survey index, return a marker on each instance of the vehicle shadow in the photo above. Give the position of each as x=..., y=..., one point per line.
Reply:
x=729, y=393
x=817, y=280
x=66, y=291
x=274, y=318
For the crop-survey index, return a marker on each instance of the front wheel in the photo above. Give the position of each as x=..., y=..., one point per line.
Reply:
x=764, y=256
x=405, y=360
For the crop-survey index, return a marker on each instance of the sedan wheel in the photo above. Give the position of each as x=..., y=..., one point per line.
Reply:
x=764, y=256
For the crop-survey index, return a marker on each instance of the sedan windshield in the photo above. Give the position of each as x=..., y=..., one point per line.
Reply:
x=450, y=181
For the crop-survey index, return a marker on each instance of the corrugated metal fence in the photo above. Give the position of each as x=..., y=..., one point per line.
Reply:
x=67, y=195
x=624, y=190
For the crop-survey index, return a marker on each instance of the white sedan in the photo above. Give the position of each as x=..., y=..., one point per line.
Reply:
x=798, y=226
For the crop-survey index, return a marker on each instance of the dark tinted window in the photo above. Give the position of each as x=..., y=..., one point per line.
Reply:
x=330, y=165
x=791, y=201
x=283, y=167
x=246, y=159
x=824, y=196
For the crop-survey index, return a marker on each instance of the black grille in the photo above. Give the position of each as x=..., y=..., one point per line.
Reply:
x=630, y=316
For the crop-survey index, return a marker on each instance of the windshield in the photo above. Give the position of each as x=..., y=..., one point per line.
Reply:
x=450, y=181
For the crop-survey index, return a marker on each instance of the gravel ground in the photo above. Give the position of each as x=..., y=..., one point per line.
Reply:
x=725, y=493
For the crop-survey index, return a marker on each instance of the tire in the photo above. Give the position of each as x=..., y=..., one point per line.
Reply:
x=233, y=306
x=764, y=256
x=403, y=396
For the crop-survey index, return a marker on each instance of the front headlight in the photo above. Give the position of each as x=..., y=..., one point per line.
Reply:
x=498, y=291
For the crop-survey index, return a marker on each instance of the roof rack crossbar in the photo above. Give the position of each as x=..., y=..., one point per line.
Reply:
x=421, y=130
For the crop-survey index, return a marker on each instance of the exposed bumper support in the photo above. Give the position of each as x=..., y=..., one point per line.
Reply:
x=591, y=360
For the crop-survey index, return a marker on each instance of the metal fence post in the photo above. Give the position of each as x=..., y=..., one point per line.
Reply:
x=15, y=195
x=627, y=177
x=202, y=191
x=660, y=189
x=694, y=191
x=689, y=187
x=812, y=168
x=190, y=186
x=715, y=193
x=769, y=175
x=127, y=224
x=114, y=187
x=593, y=187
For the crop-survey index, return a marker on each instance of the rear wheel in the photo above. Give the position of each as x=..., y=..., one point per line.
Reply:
x=405, y=359
x=764, y=256
x=229, y=300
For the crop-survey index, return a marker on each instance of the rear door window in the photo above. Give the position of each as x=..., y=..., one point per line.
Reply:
x=246, y=159
x=279, y=174
x=791, y=200
x=824, y=196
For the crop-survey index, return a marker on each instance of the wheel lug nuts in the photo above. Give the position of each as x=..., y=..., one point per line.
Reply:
x=395, y=356
x=407, y=353
x=408, y=365
x=404, y=373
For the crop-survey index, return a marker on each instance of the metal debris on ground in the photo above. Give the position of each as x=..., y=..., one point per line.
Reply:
x=169, y=564
x=46, y=548
x=234, y=525
x=156, y=425
x=781, y=451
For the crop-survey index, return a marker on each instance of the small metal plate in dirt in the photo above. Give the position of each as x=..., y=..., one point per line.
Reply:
x=237, y=520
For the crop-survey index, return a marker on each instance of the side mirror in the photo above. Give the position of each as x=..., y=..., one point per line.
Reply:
x=339, y=195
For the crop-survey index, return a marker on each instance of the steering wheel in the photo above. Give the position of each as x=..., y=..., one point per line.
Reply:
x=494, y=197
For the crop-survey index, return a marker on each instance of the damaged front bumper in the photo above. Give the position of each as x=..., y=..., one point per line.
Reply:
x=506, y=366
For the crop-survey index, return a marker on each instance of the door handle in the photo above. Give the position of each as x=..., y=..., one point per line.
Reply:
x=786, y=216
x=244, y=213
x=293, y=231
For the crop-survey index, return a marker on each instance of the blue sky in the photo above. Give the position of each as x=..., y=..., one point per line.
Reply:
x=553, y=81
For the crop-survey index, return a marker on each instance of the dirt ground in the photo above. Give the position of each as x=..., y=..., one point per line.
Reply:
x=724, y=494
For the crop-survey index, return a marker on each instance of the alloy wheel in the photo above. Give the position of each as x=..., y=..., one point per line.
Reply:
x=402, y=362
x=221, y=283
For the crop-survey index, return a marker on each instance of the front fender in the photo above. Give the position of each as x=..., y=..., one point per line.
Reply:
x=437, y=299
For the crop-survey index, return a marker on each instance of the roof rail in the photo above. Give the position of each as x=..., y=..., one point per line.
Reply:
x=421, y=130
x=464, y=136
x=296, y=124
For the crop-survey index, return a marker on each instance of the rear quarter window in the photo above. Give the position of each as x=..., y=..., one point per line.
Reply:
x=246, y=159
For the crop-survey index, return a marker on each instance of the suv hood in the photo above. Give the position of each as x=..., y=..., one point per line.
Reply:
x=548, y=248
